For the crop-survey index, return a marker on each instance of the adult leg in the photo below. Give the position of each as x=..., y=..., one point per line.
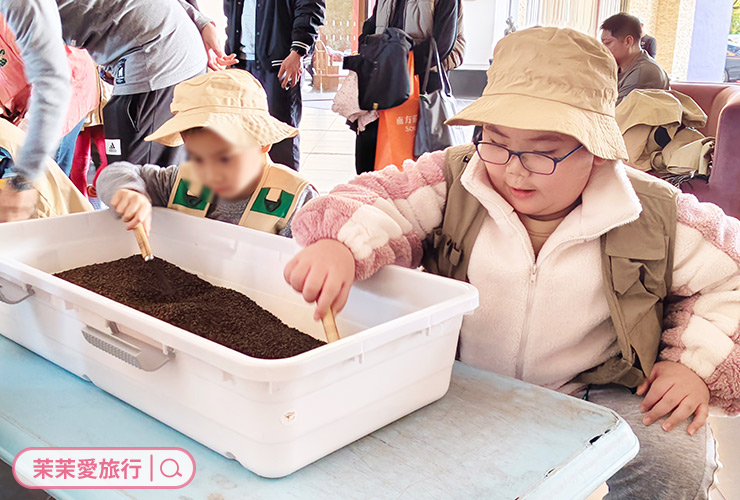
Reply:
x=365, y=146
x=81, y=162
x=286, y=106
x=129, y=119
x=670, y=465
x=98, y=138
x=157, y=112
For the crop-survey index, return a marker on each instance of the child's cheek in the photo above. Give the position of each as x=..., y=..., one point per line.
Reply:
x=495, y=176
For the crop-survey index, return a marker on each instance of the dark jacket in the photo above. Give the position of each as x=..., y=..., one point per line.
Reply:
x=444, y=30
x=649, y=45
x=282, y=26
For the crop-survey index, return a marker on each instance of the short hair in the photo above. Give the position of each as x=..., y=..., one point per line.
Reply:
x=193, y=130
x=621, y=25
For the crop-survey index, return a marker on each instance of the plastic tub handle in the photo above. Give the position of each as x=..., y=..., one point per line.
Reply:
x=128, y=349
x=3, y=298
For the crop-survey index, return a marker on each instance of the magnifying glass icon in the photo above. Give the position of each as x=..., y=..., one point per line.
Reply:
x=177, y=468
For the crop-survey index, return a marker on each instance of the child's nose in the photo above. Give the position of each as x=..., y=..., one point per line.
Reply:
x=515, y=168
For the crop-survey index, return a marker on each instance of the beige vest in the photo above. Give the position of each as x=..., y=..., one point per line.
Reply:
x=270, y=208
x=637, y=263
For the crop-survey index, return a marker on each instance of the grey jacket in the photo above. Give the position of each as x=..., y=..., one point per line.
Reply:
x=644, y=73
x=157, y=184
x=146, y=45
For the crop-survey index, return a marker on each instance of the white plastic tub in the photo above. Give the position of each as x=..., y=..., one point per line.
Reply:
x=399, y=332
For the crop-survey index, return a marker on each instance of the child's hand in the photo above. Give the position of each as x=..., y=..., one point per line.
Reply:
x=133, y=207
x=674, y=388
x=323, y=273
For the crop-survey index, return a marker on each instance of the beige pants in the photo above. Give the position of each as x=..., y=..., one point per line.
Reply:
x=57, y=194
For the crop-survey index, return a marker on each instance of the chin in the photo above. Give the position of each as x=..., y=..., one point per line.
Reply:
x=226, y=195
x=526, y=207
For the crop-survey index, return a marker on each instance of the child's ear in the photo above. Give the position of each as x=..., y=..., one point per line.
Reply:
x=598, y=162
x=266, y=149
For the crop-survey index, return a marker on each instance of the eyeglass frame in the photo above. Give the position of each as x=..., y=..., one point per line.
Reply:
x=519, y=154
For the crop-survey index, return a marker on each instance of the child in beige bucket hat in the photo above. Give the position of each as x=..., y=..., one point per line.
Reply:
x=595, y=279
x=224, y=122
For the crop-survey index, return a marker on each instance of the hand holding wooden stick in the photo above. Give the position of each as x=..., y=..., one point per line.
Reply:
x=143, y=240
x=330, y=327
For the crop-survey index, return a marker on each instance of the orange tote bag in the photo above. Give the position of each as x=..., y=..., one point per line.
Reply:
x=397, y=127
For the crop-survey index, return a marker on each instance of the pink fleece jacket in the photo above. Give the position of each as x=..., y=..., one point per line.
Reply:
x=520, y=329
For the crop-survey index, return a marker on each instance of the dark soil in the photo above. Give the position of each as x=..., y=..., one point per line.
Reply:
x=165, y=291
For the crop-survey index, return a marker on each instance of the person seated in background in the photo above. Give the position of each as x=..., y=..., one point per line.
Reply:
x=56, y=193
x=224, y=122
x=637, y=70
x=595, y=279
x=648, y=43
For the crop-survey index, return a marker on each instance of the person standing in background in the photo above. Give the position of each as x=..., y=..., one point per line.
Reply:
x=422, y=21
x=270, y=39
x=637, y=70
x=148, y=47
x=457, y=54
x=15, y=92
x=647, y=42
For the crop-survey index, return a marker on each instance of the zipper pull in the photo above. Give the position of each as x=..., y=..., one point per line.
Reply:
x=533, y=275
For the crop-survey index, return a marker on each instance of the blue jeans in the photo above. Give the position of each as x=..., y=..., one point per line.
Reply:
x=66, y=151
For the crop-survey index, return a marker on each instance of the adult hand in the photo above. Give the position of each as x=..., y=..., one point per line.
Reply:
x=133, y=207
x=291, y=70
x=323, y=273
x=17, y=205
x=672, y=387
x=217, y=60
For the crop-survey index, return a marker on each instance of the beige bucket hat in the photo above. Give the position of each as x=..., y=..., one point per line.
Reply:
x=232, y=103
x=552, y=79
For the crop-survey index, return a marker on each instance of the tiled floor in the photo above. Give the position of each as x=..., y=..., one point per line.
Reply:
x=327, y=144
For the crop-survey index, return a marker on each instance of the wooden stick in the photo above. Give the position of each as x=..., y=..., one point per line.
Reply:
x=330, y=327
x=143, y=240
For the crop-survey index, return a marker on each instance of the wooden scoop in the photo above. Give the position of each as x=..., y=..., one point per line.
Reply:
x=143, y=240
x=146, y=253
x=330, y=327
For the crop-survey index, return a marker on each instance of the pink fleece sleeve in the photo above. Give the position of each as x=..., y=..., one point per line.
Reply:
x=702, y=323
x=382, y=217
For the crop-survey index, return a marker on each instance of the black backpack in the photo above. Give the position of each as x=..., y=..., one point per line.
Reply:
x=382, y=69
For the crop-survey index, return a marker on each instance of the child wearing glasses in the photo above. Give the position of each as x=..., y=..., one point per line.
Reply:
x=595, y=279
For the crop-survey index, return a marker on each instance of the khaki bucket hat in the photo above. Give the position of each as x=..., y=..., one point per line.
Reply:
x=552, y=79
x=232, y=103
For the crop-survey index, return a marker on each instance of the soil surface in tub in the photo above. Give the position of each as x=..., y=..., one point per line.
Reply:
x=218, y=314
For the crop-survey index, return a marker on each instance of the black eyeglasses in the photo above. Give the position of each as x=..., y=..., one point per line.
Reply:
x=537, y=163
